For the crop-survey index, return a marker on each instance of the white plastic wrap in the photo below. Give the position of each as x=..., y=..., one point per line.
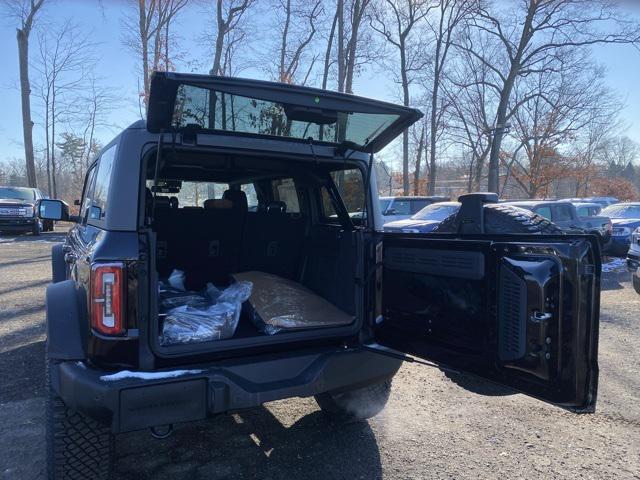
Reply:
x=193, y=318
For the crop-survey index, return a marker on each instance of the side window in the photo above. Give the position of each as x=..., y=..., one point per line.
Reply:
x=544, y=212
x=562, y=213
x=351, y=188
x=103, y=180
x=87, y=193
x=418, y=205
x=583, y=212
x=249, y=190
x=328, y=212
x=284, y=190
x=400, y=207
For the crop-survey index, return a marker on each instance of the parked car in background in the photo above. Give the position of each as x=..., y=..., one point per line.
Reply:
x=633, y=259
x=603, y=201
x=18, y=212
x=625, y=218
x=587, y=209
x=425, y=220
x=399, y=208
x=566, y=216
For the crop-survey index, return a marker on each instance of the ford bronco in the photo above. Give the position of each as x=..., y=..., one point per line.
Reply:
x=252, y=187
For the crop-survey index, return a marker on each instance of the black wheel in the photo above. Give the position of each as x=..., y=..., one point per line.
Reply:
x=37, y=228
x=636, y=283
x=77, y=446
x=500, y=218
x=355, y=405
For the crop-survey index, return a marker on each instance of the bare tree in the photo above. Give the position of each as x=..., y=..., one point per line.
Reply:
x=395, y=20
x=450, y=14
x=25, y=12
x=297, y=21
x=147, y=32
x=532, y=36
x=64, y=61
x=228, y=18
x=558, y=107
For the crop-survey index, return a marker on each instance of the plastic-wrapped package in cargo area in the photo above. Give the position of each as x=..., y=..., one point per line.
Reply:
x=193, y=317
x=277, y=304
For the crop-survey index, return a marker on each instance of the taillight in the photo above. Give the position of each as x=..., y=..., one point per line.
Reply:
x=107, y=298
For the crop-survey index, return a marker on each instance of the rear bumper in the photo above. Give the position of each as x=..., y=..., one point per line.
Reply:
x=197, y=392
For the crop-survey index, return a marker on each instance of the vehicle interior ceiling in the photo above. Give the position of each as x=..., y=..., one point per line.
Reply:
x=254, y=214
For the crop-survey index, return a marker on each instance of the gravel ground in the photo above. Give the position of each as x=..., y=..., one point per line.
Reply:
x=431, y=428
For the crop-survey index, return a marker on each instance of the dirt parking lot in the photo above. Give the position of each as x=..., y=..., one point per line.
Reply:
x=431, y=428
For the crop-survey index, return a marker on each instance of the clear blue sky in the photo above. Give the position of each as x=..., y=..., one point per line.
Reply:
x=118, y=68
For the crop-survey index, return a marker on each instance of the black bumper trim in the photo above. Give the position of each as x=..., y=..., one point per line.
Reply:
x=135, y=403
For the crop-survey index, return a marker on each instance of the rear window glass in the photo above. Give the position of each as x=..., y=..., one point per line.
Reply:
x=103, y=180
x=284, y=190
x=214, y=110
x=194, y=194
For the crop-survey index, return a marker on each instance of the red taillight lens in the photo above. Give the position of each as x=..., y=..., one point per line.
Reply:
x=107, y=298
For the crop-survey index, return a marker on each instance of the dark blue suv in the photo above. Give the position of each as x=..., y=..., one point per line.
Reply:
x=625, y=218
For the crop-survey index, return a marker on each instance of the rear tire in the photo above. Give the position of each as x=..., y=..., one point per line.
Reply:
x=355, y=405
x=36, y=229
x=500, y=218
x=636, y=284
x=77, y=446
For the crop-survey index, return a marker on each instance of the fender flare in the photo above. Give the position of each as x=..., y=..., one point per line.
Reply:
x=66, y=321
x=58, y=264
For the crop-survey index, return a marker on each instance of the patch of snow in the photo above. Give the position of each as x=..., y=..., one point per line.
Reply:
x=147, y=375
x=81, y=365
x=615, y=264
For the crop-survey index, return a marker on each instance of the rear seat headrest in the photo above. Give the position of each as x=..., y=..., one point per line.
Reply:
x=276, y=207
x=238, y=197
x=217, y=204
x=161, y=202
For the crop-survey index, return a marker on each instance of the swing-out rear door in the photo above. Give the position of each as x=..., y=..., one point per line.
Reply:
x=521, y=311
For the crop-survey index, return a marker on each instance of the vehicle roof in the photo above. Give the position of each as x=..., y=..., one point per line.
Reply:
x=416, y=197
x=445, y=204
x=635, y=204
x=587, y=204
x=537, y=203
x=17, y=188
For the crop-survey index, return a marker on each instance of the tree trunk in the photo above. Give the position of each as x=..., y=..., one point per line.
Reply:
x=341, y=62
x=505, y=96
x=353, y=45
x=54, y=186
x=25, y=92
x=283, y=45
x=327, y=55
x=416, y=172
x=405, y=134
x=144, y=45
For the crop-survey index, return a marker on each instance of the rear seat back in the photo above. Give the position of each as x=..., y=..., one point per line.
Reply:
x=205, y=242
x=272, y=241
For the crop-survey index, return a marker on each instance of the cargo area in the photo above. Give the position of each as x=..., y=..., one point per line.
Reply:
x=253, y=249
